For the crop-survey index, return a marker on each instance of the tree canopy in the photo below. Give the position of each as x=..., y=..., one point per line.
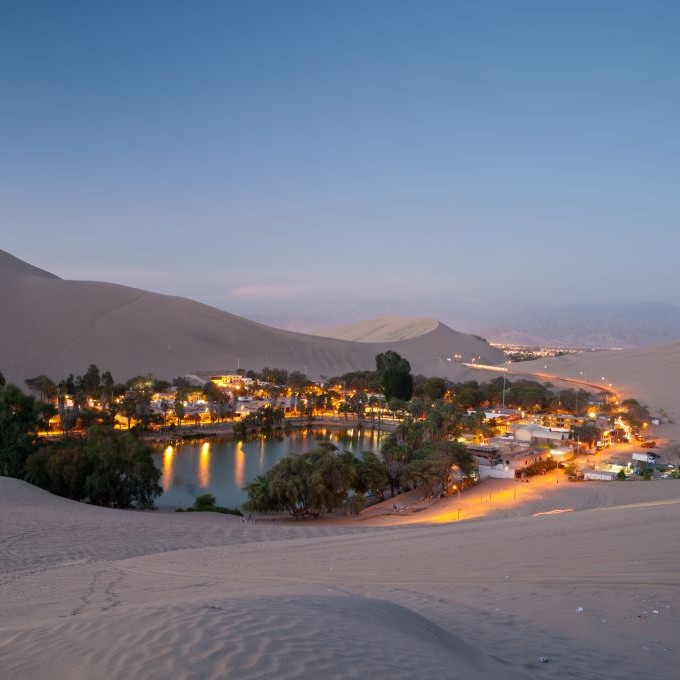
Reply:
x=395, y=376
x=21, y=417
x=313, y=483
x=308, y=484
x=109, y=468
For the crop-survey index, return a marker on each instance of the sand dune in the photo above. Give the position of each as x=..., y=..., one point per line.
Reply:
x=583, y=574
x=651, y=375
x=55, y=327
x=288, y=637
x=383, y=329
x=88, y=592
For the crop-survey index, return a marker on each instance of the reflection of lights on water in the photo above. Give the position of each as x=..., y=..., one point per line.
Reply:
x=240, y=465
x=166, y=480
x=204, y=466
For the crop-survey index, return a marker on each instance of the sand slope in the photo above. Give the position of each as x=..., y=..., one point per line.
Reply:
x=88, y=592
x=56, y=327
x=651, y=375
x=383, y=329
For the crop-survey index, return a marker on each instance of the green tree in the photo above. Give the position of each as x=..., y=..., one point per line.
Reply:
x=372, y=475
x=92, y=382
x=588, y=432
x=123, y=471
x=528, y=395
x=62, y=468
x=395, y=376
x=21, y=417
x=205, y=501
x=391, y=360
x=106, y=467
x=636, y=413
x=468, y=394
x=434, y=388
x=297, y=380
x=129, y=407
x=397, y=385
x=259, y=499
x=308, y=484
x=180, y=410
x=277, y=376
x=44, y=385
x=434, y=462
x=398, y=450
x=107, y=388
x=265, y=419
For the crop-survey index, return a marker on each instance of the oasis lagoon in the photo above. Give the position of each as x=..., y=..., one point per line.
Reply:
x=223, y=466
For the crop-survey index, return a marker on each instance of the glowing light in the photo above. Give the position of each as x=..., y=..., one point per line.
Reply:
x=204, y=466
x=166, y=479
x=239, y=465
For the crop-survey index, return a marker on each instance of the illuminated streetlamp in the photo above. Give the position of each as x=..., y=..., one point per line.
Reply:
x=456, y=487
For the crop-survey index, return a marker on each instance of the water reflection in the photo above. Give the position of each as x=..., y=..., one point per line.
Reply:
x=262, y=451
x=223, y=467
x=166, y=480
x=204, y=466
x=239, y=466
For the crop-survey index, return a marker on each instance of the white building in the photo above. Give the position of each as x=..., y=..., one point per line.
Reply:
x=599, y=475
x=504, y=462
x=538, y=434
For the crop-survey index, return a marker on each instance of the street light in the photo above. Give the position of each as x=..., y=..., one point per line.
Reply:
x=456, y=487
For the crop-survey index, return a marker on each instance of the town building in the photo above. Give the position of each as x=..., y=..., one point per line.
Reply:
x=537, y=434
x=504, y=460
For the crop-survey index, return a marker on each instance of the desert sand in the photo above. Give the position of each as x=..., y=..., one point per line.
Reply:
x=56, y=327
x=583, y=575
x=651, y=374
x=386, y=328
x=593, y=585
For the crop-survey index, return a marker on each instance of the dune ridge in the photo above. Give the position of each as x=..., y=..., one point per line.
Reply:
x=92, y=592
x=650, y=374
x=387, y=328
x=54, y=326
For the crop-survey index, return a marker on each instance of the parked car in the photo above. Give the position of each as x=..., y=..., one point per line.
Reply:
x=648, y=445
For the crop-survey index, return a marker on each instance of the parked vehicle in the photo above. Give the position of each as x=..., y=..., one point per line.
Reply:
x=645, y=457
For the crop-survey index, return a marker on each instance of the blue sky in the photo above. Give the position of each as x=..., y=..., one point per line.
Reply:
x=260, y=156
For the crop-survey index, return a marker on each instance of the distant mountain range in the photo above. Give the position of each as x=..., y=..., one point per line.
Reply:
x=593, y=325
x=56, y=327
x=588, y=325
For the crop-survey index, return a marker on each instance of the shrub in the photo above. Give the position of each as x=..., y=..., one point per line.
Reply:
x=205, y=502
x=109, y=468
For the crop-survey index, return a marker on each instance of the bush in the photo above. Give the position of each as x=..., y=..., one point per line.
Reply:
x=305, y=485
x=208, y=503
x=205, y=502
x=109, y=468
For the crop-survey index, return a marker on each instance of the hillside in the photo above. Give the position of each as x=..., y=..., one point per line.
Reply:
x=386, y=328
x=200, y=595
x=651, y=375
x=624, y=325
x=54, y=326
